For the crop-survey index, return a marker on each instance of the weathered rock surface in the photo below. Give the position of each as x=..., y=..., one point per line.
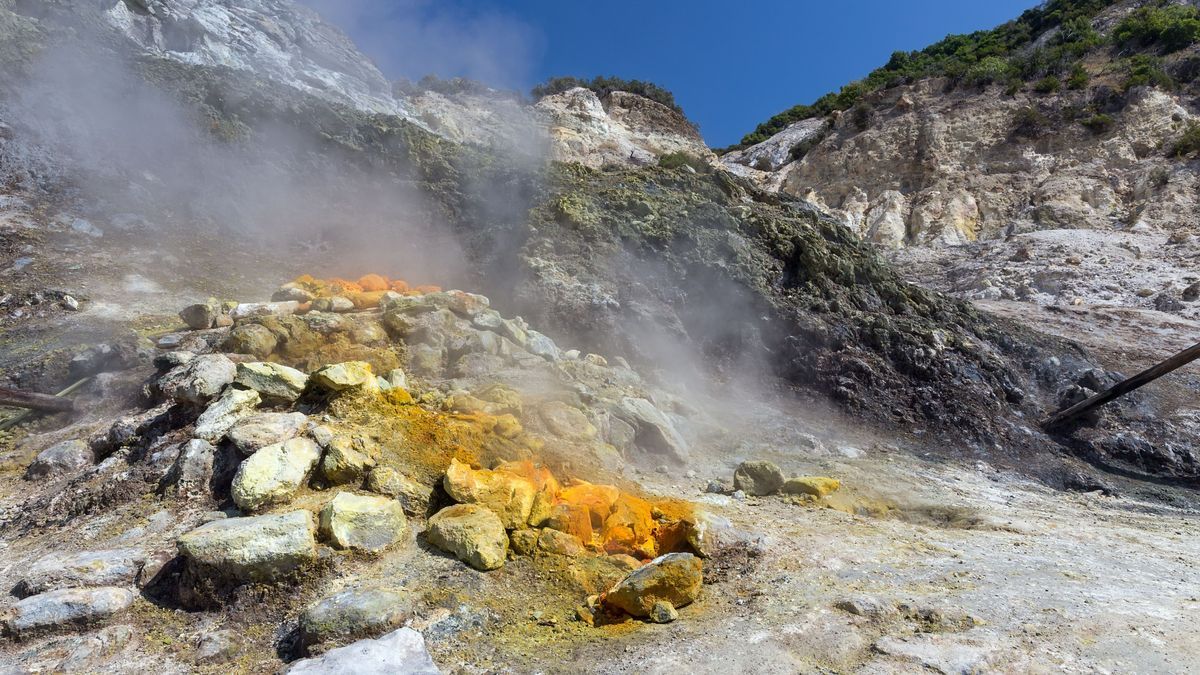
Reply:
x=68, y=607
x=507, y=495
x=674, y=578
x=256, y=431
x=401, y=651
x=351, y=615
x=61, y=458
x=192, y=471
x=274, y=473
x=199, y=380
x=348, y=458
x=472, y=533
x=273, y=381
x=413, y=496
x=259, y=548
x=342, y=376
x=57, y=571
x=218, y=418
x=758, y=478
x=817, y=486
x=362, y=522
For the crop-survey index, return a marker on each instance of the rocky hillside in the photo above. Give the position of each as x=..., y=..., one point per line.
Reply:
x=1078, y=125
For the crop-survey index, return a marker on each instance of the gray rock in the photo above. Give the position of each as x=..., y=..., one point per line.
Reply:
x=199, y=380
x=68, y=607
x=348, y=458
x=655, y=432
x=247, y=310
x=256, y=431
x=258, y=548
x=342, y=376
x=413, y=496
x=401, y=651
x=233, y=405
x=274, y=474
x=193, y=468
x=251, y=338
x=542, y=346
x=61, y=458
x=758, y=478
x=474, y=534
x=219, y=646
x=351, y=615
x=362, y=522
x=91, y=652
x=202, y=315
x=274, y=382
x=58, y=571
x=663, y=612
x=865, y=606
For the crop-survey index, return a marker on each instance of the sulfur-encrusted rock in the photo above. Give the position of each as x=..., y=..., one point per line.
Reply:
x=274, y=473
x=198, y=380
x=523, y=542
x=566, y=421
x=663, y=612
x=472, y=533
x=351, y=615
x=401, y=651
x=61, y=458
x=67, y=607
x=362, y=522
x=508, y=495
x=255, y=432
x=758, y=478
x=56, y=571
x=221, y=415
x=560, y=543
x=348, y=458
x=674, y=578
x=276, y=383
x=248, y=310
x=817, y=486
x=342, y=376
x=413, y=496
x=254, y=339
x=257, y=548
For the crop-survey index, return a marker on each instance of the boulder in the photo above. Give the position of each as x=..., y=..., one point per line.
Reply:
x=276, y=383
x=220, y=646
x=401, y=651
x=817, y=486
x=255, y=432
x=655, y=432
x=413, y=496
x=674, y=578
x=566, y=421
x=348, y=459
x=523, y=542
x=61, y=458
x=67, y=607
x=274, y=473
x=219, y=417
x=351, y=615
x=57, y=571
x=342, y=376
x=193, y=467
x=248, y=310
x=362, y=522
x=202, y=315
x=251, y=338
x=508, y=495
x=199, y=380
x=257, y=548
x=472, y=533
x=560, y=543
x=758, y=477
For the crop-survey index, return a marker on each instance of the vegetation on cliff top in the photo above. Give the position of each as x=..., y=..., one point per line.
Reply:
x=1013, y=54
x=603, y=86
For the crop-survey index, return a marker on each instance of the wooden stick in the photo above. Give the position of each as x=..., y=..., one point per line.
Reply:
x=28, y=399
x=1124, y=386
x=25, y=414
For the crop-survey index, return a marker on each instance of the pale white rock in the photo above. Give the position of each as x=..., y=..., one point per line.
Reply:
x=217, y=419
x=73, y=606
x=248, y=310
x=274, y=473
x=401, y=651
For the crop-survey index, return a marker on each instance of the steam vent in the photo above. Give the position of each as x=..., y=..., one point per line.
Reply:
x=313, y=362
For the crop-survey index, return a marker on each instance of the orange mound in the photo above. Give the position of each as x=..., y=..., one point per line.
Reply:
x=364, y=293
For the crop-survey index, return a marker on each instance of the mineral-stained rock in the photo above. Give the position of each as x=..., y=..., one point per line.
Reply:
x=202, y=315
x=816, y=486
x=655, y=432
x=218, y=646
x=560, y=543
x=566, y=421
x=401, y=651
x=351, y=615
x=251, y=338
x=363, y=522
x=413, y=496
x=342, y=376
x=348, y=458
x=507, y=495
x=758, y=477
x=255, y=432
x=193, y=467
x=258, y=548
x=523, y=542
x=199, y=380
x=74, y=606
x=56, y=571
x=673, y=578
x=273, y=381
x=217, y=419
x=663, y=612
x=61, y=458
x=247, y=310
x=274, y=473
x=474, y=534
x=574, y=519
x=599, y=499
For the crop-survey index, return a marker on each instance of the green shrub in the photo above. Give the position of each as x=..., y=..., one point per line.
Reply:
x=1099, y=123
x=1189, y=143
x=603, y=86
x=1047, y=85
x=1171, y=27
x=989, y=70
x=1078, y=78
x=675, y=160
x=1146, y=70
x=1029, y=122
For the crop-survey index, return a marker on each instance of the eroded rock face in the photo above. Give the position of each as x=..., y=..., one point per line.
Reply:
x=273, y=381
x=351, y=615
x=199, y=380
x=259, y=430
x=61, y=458
x=472, y=533
x=259, y=548
x=219, y=418
x=362, y=522
x=58, y=571
x=68, y=607
x=505, y=494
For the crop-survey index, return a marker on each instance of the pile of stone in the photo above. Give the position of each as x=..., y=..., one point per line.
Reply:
x=761, y=478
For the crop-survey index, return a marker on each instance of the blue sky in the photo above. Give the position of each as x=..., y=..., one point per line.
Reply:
x=731, y=65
